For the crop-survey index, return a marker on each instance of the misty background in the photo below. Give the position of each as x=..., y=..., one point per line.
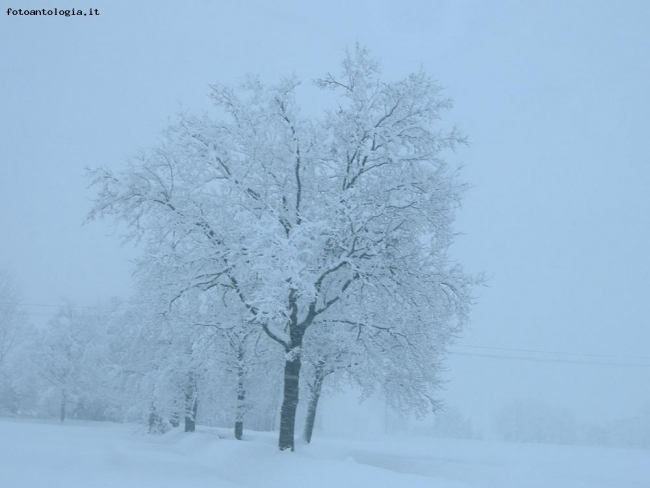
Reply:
x=554, y=99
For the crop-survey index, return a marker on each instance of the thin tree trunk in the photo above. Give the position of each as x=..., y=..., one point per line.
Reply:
x=191, y=404
x=272, y=418
x=64, y=401
x=315, y=391
x=175, y=420
x=154, y=420
x=241, y=395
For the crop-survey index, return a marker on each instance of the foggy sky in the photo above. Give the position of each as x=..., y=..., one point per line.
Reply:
x=554, y=98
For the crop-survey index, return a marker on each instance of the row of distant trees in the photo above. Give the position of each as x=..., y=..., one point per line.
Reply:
x=123, y=362
x=527, y=420
x=128, y=362
x=539, y=422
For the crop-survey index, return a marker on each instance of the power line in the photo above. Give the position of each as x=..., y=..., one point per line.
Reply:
x=51, y=313
x=539, y=351
x=548, y=360
x=25, y=304
x=40, y=314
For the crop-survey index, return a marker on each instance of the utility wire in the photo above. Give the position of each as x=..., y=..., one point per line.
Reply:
x=24, y=304
x=538, y=351
x=547, y=360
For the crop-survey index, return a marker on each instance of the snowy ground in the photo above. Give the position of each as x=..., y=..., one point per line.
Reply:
x=44, y=454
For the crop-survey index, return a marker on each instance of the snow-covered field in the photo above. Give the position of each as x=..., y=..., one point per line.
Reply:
x=95, y=455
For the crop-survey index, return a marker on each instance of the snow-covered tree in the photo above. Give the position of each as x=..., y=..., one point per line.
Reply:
x=530, y=420
x=328, y=355
x=71, y=356
x=450, y=422
x=189, y=353
x=349, y=215
x=232, y=355
x=14, y=333
x=11, y=317
x=158, y=362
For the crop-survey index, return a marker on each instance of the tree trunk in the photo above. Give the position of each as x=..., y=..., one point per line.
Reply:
x=64, y=401
x=239, y=430
x=314, y=396
x=155, y=422
x=241, y=395
x=290, y=399
x=191, y=404
x=271, y=420
x=175, y=420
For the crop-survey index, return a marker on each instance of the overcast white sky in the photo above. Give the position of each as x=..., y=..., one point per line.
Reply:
x=553, y=95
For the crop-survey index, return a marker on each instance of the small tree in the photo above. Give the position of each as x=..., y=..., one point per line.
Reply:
x=166, y=361
x=529, y=420
x=451, y=423
x=12, y=319
x=297, y=218
x=14, y=331
x=328, y=354
x=72, y=358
